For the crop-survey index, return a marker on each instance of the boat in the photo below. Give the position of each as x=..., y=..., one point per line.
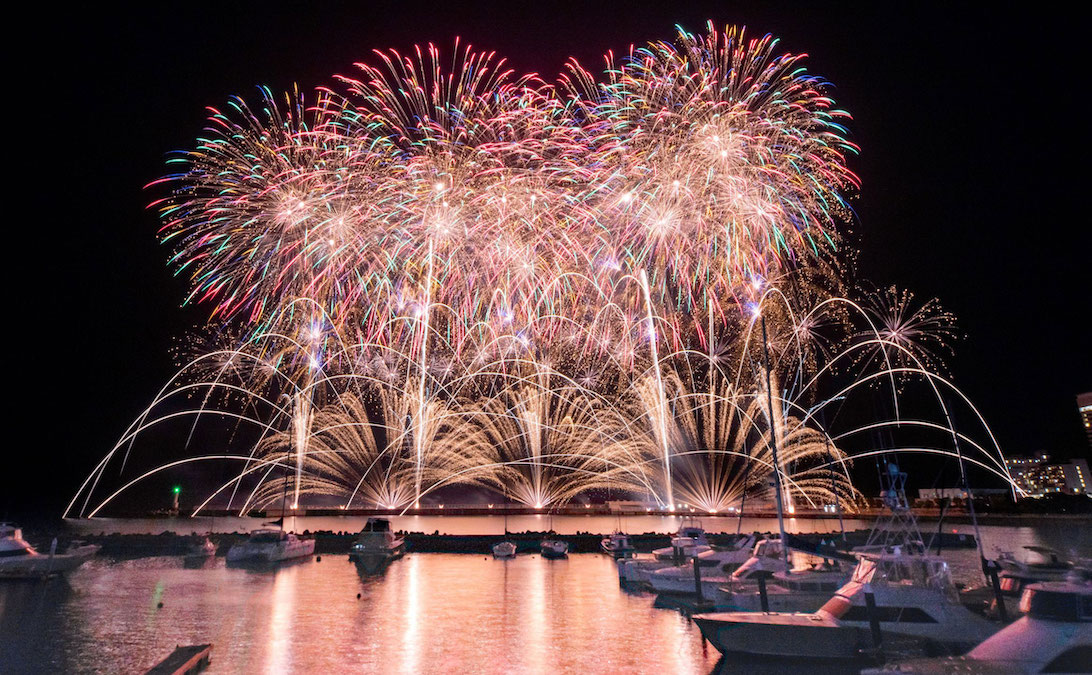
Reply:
x=896, y=587
x=377, y=545
x=913, y=596
x=1015, y=576
x=554, y=548
x=19, y=560
x=717, y=566
x=617, y=545
x=1053, y=636
x=267, y=545
x=504, y=549
x=200, y=549
x=796, y=590
x=688, y=542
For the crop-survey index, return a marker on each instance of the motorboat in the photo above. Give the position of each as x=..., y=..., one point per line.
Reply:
x=504, y=549
x=1012, y=580
x=19, y=560
x=717, y=566
x=635, y=571
x=377, y=545
x=200, y=549
x=912, y=595
x=554, y=548
x=617, y=545
x=688, y=542
x=1039, y=562
x=1053, y=636
x=796, y=590
x=267, y=545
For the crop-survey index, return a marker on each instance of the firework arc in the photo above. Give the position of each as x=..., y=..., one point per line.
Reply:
x=435, y=270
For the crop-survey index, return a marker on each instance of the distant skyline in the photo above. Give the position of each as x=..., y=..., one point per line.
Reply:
x=967, y=121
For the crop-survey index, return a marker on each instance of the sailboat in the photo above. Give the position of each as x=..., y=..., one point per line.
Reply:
x=268, y=545
x=507, y=548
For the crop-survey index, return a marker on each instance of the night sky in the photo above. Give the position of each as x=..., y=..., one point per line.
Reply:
x=973, y=125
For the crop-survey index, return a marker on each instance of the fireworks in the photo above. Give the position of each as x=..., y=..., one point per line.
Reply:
x=436, y=270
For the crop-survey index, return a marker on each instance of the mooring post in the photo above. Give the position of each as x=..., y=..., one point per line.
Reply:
x=990, y=567
x=873, y=617
x=697, y=579
x=762, y=598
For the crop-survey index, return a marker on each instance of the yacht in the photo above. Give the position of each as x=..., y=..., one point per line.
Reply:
x=914, y=598
x=19, y=560
x=1053, y=636
x=717, y=566
x=267, y=545
x=687, y=543
x=554, y=548
x=377, y=545
x=796, y=590
x=617, y=545
x=504, y=549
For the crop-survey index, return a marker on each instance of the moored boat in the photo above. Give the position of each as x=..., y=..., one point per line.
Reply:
x=617, y=545
x=688, y=542
x=1053, y=636
x=377, y=546
x=268, y=545
x=19, y=560
x=504, y=549
x=554, y=548
x=200, y=549
x=717, y=567
x=912, y=596
x=796, y=590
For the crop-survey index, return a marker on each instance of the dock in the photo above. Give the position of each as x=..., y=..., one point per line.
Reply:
x=184, y=661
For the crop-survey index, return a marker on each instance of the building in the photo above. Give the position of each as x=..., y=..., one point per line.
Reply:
x=1077, y=479
x=1036, y=476
x=1084, y=406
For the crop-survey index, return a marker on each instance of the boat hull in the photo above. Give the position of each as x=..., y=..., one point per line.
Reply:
x=270, y=553
x=38, y=566
x=796, y=640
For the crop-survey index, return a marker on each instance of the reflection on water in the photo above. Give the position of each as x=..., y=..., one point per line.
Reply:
x=424, y=613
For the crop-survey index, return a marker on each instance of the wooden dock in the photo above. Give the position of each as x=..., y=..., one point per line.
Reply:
x=184, y=661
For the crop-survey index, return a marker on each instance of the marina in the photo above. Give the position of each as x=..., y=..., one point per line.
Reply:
x=409, y=616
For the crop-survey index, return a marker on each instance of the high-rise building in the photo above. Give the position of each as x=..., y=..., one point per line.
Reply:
x=1077, y=480
x=1035, y=476
x=1084, y=405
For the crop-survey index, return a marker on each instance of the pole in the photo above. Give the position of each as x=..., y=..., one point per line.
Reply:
x=773, y=445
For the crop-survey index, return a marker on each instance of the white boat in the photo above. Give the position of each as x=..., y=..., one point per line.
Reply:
x=1053, y=636
x=797, y=590
x=914, y=598
x=554, y=548
x=687, y=543
x=19, y=560
x=716, y=566
x=269, y=545
x=635, y=571
x=504, y=549
x=617, y=545
x=376, y=545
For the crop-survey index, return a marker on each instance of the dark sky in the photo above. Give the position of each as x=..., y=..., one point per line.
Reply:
x=973, y=125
